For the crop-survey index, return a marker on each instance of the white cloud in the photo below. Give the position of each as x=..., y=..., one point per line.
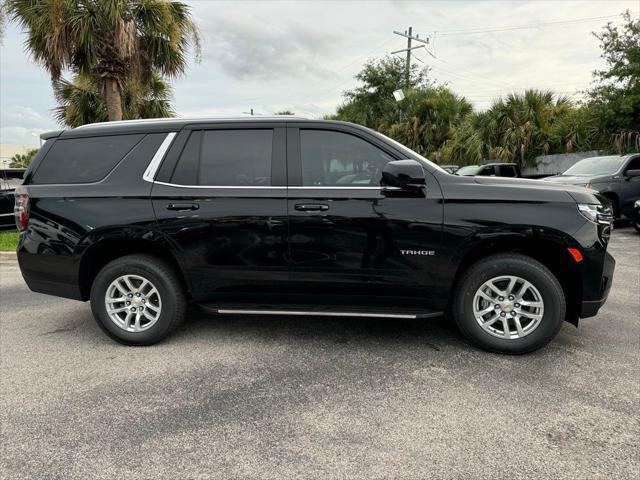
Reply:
x=20, y=124
x=301, y=56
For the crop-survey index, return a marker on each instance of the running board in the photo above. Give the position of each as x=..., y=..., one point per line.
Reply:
x=320, y=312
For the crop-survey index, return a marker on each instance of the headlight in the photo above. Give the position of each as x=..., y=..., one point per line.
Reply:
x=596, y=213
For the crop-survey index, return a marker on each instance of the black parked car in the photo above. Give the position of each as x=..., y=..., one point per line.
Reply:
x=616, y=177
x=290, y=216
x=497, y=169
x=10, y=178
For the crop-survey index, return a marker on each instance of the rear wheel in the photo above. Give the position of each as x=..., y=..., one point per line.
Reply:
x=138, y=299
x=509, y=303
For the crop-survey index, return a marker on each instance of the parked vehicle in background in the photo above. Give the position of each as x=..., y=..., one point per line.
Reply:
x=291, y=216
x=10, y=178
x=449, y=168
x=490, y=170
x=616, y=177
x=635, y=215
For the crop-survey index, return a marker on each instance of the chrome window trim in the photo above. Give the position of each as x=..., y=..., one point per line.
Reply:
x=219, y=186
x=341, y=187
x=177, y=185
x=154, y=164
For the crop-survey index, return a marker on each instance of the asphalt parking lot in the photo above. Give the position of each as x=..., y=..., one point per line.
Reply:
x=270, y=397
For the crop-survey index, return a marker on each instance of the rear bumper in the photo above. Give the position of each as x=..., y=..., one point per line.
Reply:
x=50, y=274
x=590, y=308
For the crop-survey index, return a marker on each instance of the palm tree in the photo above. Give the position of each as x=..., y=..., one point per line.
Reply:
x=426, y=119
x=82, y=101
x=22, y=160
x=518, y=128
x=112, y=41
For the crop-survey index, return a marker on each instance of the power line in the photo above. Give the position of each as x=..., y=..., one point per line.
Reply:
x=344, y=67
x=474, y=31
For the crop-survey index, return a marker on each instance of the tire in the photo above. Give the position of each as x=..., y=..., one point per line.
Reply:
x=636, y=224
x=162, y=310
x=535, y=331
x=615, y=207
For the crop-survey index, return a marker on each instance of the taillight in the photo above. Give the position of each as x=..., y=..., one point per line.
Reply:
x=21, y=208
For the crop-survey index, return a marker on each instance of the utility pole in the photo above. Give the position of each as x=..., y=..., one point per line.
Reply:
x=409, y=36
x=407, y=67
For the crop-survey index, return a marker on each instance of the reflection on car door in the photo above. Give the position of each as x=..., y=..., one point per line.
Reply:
x=220, y=196
x=347, y=233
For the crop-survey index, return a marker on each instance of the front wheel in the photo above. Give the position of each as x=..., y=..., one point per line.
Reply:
x=509, y=303
x=138, y=299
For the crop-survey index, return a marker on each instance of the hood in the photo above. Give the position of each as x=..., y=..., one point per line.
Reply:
x=569, y=179
x=579, y=194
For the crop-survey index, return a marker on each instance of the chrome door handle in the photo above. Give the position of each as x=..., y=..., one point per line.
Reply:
x=183, y=206
x=311, y=207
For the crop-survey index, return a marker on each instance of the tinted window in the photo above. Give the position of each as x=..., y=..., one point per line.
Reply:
x=487, y=172
x=186, y=171
x=335, y=159
x=83, y=160
x=634, y=164
x=235, y=157
x=507, y=171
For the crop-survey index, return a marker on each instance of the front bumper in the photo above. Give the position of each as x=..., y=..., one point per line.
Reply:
x=590, y=308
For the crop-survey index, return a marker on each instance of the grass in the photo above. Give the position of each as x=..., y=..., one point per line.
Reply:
x=9, y=241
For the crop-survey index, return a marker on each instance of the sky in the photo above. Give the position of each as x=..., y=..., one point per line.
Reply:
x=301, y=56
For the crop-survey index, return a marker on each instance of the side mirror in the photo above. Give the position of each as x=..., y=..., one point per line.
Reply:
x=632, y=173
x=405, y=174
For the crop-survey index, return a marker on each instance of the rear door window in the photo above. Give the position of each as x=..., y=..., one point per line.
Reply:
x=233, y=158
x=83, y=160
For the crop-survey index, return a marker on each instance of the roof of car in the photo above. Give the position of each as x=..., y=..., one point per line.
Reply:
x=168, y=124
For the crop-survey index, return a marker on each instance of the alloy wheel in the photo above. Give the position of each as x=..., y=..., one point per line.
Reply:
x=133, y=303
x=508, y=307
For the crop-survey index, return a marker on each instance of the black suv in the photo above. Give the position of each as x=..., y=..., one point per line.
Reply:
x=294, y=216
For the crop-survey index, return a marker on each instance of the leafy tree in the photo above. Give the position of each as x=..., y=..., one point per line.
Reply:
x=285, y=112
x=115, y=42
x=426, y=119
x=370, y=103
x=22, y=160
x=82, y=101
x=615, y=100
x=517, y=129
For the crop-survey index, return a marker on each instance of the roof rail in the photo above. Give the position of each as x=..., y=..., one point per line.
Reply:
x=188, y=119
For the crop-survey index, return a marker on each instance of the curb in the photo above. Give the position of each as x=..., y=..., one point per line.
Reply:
x=8, y=256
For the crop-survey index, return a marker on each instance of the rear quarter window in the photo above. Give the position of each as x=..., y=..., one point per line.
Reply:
x=83, y=160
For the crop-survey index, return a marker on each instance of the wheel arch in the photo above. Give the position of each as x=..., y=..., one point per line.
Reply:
x=614, y=198
x=551, y=252
x=100, y=248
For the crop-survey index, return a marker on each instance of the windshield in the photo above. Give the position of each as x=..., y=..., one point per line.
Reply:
x=410, y=153
x=468, y=170
x=596, y=166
